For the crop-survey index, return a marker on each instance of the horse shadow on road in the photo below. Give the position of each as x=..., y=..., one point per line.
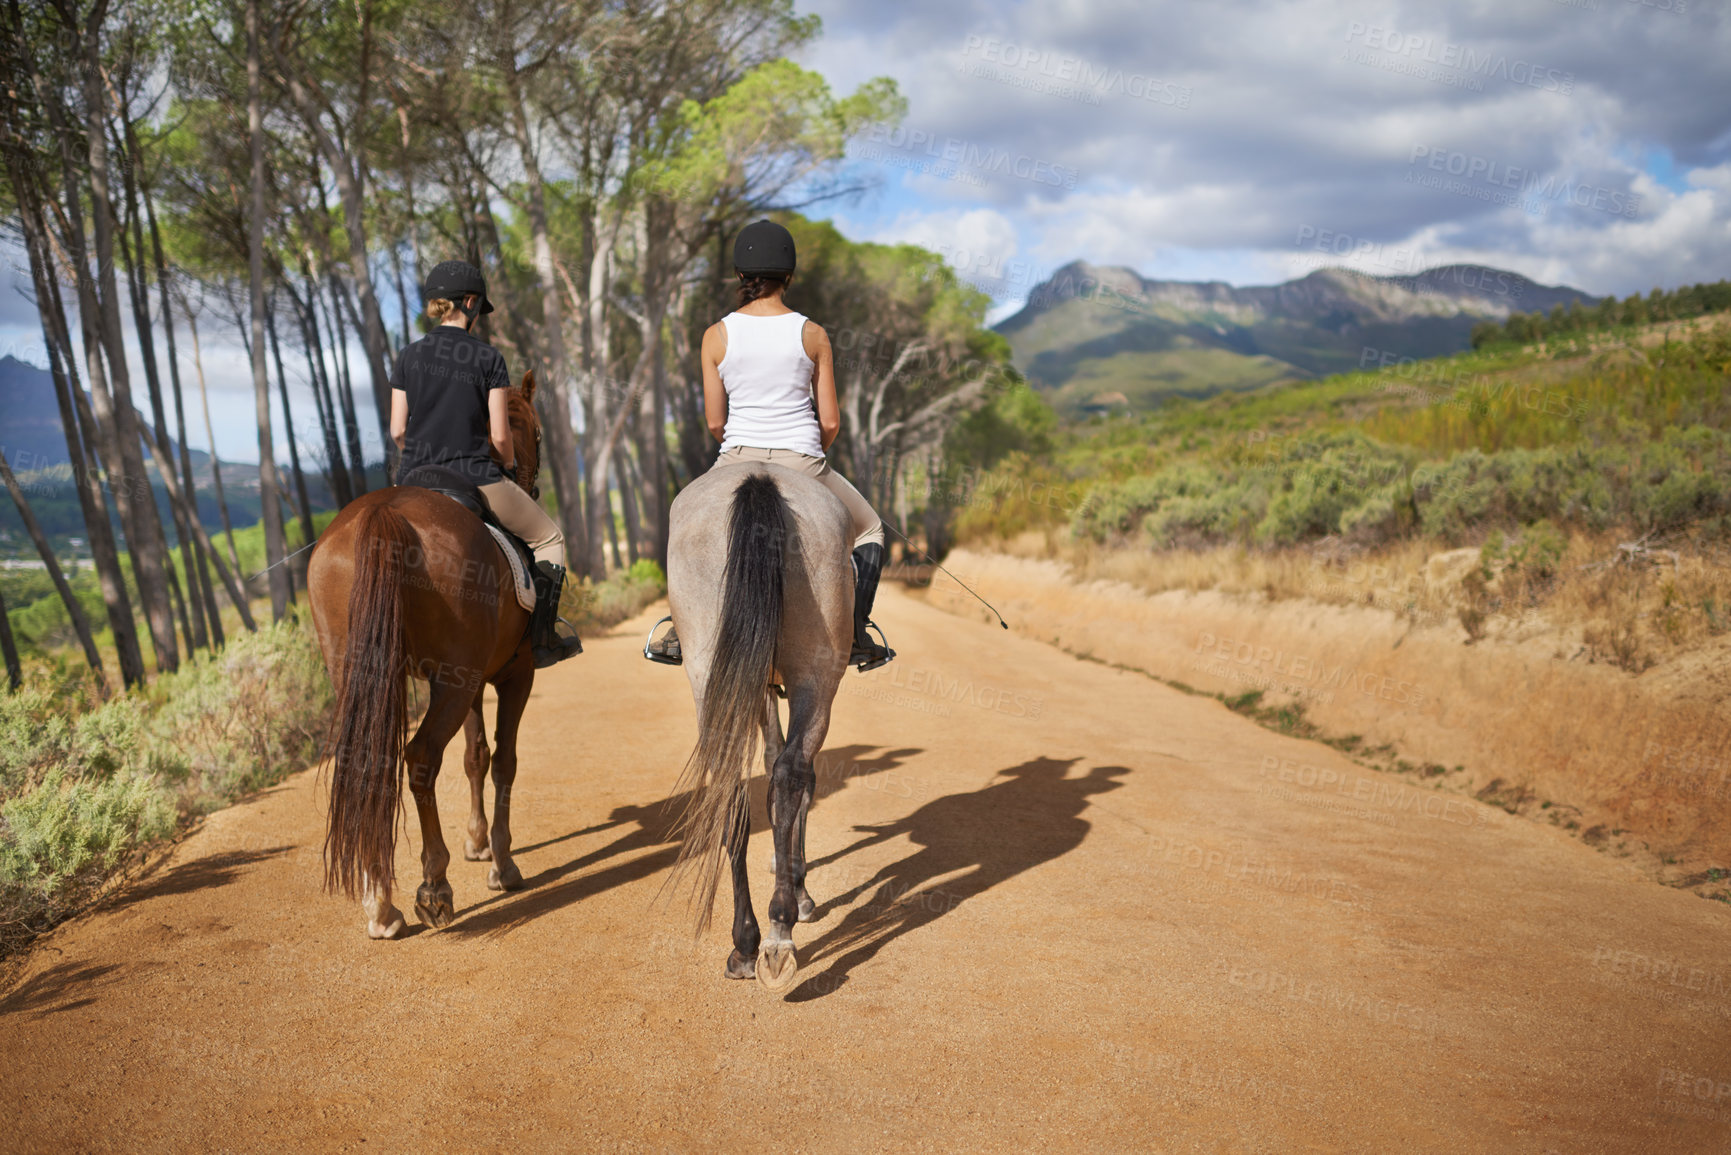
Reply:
x=647, y=828
x=1033, y=815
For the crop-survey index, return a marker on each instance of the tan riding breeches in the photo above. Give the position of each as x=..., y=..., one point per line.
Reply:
x=867, y=528
x=523, y=516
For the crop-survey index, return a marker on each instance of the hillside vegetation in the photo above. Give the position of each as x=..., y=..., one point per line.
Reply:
x=1542, y=460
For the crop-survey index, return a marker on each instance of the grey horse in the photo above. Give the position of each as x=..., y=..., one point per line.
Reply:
x=761, y=590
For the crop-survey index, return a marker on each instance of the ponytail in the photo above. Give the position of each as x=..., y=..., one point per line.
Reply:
x=752, y=286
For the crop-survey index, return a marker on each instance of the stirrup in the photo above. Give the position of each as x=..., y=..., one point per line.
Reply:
x=869, y=660
x=667, y=659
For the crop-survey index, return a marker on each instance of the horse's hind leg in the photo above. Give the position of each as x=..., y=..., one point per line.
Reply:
x=475, y=759
x=772, y=739
x=790, y=787
x=742, y=963
x=384, y=920
x=804, y=906
x=514, y=687
x=773, y=747
x=773, y=744
x=433, y=900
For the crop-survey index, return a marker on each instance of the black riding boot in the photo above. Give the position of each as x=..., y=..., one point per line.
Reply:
x=546, y=639
x=868, y=566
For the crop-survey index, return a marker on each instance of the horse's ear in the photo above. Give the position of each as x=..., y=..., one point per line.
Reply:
x=528, y=385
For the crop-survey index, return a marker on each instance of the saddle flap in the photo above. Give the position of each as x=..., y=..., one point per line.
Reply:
x=457, y=487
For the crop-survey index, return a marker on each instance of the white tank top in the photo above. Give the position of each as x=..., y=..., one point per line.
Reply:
x=768, y=381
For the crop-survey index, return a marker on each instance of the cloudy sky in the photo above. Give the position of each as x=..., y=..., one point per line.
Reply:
x=1249, y=141
x=1585, y=143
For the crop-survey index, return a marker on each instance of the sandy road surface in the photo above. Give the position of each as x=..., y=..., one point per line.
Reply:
x=1087, y=911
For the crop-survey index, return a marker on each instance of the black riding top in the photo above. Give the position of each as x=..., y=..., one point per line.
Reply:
x=447, y=375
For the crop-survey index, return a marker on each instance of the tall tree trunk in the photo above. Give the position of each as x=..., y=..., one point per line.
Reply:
x=74, y=611
x=552, y=395
x=138, y=295
x=144, y=537
x=402, y=297
x=336, y=467
x=193, y=561
x=336, y=475
x=409, y=205
x=612, y=525
x=9, y=648
x=178, y=600
x=267, y=476
x=93, y=502
x=346, y=397
x=302, y=505
x=656, y=307
x=484, y=231
x=165, y=467
x=696, y=446
x=210, y=435
x=628, y=507
x=598, y=357
x=349, y=166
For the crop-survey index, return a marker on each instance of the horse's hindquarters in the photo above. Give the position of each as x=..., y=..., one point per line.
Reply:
x=406, y=582
x=760, y=585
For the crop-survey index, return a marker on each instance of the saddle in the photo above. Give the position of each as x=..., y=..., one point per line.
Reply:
x=457, y=487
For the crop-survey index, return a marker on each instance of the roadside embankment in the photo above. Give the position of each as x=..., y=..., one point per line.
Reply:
x=1635, y=764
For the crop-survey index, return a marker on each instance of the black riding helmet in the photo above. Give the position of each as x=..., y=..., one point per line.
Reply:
x=764, y=248
x=454, y=280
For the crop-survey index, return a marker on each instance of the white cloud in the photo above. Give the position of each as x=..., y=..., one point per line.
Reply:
x=954, y=232
x=1297, y=119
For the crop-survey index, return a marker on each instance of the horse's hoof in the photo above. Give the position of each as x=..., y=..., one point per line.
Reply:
x=390, y=925
x=484, y=854
x=508, y=879
x=435, y=906
x=807, y=908
x=777, y=966
x=741, y=966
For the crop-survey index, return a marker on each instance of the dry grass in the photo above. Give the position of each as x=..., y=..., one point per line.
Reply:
x=1642, y=608
x=1600, y=600
x=1330, y=571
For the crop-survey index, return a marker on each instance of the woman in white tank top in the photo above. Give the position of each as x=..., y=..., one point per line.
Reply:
x=769, y=395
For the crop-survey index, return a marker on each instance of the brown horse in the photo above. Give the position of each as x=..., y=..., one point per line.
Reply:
x=407, y=582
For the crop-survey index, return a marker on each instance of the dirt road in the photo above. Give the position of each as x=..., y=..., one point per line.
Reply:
x=1061, y=906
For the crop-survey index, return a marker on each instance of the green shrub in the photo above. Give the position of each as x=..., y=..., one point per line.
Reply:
x=206, y=732
x=68, y=827
x=1379, y=518
x=83, y=784
x=1683, y=476
x=1272, y=493
x=600, y=605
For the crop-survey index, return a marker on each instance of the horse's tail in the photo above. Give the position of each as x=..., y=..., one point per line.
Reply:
x=717, y=811
x=372, y=711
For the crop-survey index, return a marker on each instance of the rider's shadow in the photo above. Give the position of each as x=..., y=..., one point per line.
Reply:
x=650, y=828
x=993, y=834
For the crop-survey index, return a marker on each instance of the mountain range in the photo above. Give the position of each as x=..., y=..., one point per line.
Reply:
x=30, y=417
x=1097, y=339
x=35, y=448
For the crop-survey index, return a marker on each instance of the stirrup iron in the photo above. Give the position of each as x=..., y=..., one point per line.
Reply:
x=872, y=662
x=655, y=656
